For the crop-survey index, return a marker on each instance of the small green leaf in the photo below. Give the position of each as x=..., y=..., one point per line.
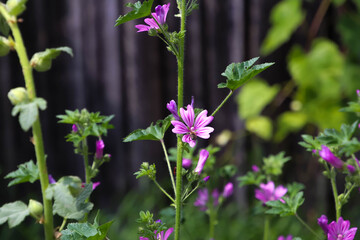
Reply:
x=14, y=213
x=16, y=7
x=42, y=61
x=4, y=45
x=239, y=73
x=28, y=112
x=251, y=178
x=102, y=231
x=274, y=163
x=140, y=10
x=4, y=27
x=27, y=172
x=154, y=132
x=288, y=208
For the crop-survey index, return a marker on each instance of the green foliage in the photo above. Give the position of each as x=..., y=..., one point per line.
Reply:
x=13, y=213
x=191, y=6
x=146, y=170
x=4, y=46
x=148, y=225
x=288, y=208
x=4, y=27
x=42, y=61
x=238, y=74
x=294, y=188
x=153, y=132
x=70, y=198
x=28, y=112
x=261, y=126
x=139, y=10
x=274, y=163
x=26, y=172
x=285, y=18
x=251, y=178
x=289, y=122
x=16, y=7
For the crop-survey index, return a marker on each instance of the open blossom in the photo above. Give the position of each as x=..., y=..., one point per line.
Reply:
x=99, y=148
x=204, y=154
x=328, y=156
x=160, y=16
x=161, y=235
x=268, y=192
x=340, y=230
x=191, y=127
x=289, y=237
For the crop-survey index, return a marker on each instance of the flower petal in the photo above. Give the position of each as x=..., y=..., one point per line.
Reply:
x=179, y=127
x=204, y=132
x=170, y=230
x=142, y=27
x=188, y=115
x=151, y=22
x=202, y=119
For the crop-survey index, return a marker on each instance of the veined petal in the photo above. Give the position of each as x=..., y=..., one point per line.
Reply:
x=350, y=234
x=151, y=22
x=170, y=230
x=179, y=127
x=202, y=120
x=142, y=28
x=204, y=132
x=188, y=115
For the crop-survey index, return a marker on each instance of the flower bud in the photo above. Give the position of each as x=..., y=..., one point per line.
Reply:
x=99, y=148
x=18, y=95
x=35, y=209
x=4, y=46
x=204, y=154
x=74, y=128
x=40, y=63
x=228, y=190
x=186, y=163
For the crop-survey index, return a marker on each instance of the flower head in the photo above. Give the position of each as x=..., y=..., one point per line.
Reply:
x=289, y=237
x=228, y=190
x=191, y=127
x=268, y=192
x=160, y=16
x=186, y=163
x=340, y=230
x=204, y=154
x=323, y=223
x=99, y=148
x=172, y=107
x=328, y=156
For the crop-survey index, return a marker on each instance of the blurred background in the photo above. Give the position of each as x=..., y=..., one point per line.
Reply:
x=115, y=70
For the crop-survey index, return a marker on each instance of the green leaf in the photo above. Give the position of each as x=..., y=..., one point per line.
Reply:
x=289, y=122
x=251, y=178
x=239, y=73
x=285, y=18
x=274, y=163
x=28, y=112
x=352, y=107
x=154, y=132
x=102, y=231
x=16, y=7
x=83, y=229
x=139, y=10
x=14, y=213
x=26, y=172
x=310, y=143
x=254, y=97
x=288, y=208
x=261, y=126
x=4, y=27
x=42, y=61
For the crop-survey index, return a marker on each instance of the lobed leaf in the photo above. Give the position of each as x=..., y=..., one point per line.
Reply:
x=28, y=112
x=14, y=213
x=26, y=172
x=139, y=10
x=288, y=207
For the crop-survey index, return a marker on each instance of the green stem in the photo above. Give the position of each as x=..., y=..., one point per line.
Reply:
x=212, y=221
x=163, y=190
x=166, y=35
x=85, y=152
x=63, y=224
x=223, y=102
x=266, y=228
x=188, y=195
x=168, y=164
x=336, y=196
x=36, y=128
x=180, y=62
x=307, y=226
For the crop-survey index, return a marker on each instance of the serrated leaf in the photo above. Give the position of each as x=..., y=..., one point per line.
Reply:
x=14, y=213
x=285, y=18
x=4, y=27
x=103, y=230
x=239, y=73
x=154, y=132
x=139, y=10
x=274, y=163
x=26, y=172
x=288, y=207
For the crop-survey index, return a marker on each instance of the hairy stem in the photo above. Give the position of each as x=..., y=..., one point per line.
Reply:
x=163, y=190
x=36, y=128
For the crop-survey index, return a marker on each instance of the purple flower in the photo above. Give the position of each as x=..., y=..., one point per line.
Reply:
x=99, y=148
x=323, y=223
x=358, y=92
x=255, y=168
x=228, y=190
x=159, y=221
x=289, y=237
x=161, y=235
x=328, y=156
x=340, y=230
x=205, y=179
x=268, y=192
x=190, y=128
x=215, y=195
x=51, y=179
x=186, y=163
x=351, y=168
x=204, y=154
x=201, y=200
x=74, y=128
x=160, y=16
x=172, y=107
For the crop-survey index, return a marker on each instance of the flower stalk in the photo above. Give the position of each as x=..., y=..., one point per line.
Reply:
x=36, y=128
x=168, y=164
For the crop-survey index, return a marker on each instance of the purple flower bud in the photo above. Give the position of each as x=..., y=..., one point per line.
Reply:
x=158, y=221
x=359, y=125
x=204, y=154
x=186, y=163
x=205, y=179
x=172, y=107
x=51, y=179
x=74, y=128
x=351, y=168
x=328, y=156
x=255, y=168
x=323, y=223
x=99, y=148
x=228, y=190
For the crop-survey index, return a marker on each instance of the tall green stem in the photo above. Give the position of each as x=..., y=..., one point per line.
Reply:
x=336, y=196
x=266, y=228
x=212, y=221
x=180, y=62
x=36, y=128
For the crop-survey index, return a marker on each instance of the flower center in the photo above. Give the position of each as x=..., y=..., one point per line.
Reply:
x=192, y=133
x=340, y=237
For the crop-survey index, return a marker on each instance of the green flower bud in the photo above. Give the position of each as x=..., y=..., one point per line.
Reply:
x=4, y=46
x=18, y=95
x=40, y=63
x=16, y=7
x=35, y=209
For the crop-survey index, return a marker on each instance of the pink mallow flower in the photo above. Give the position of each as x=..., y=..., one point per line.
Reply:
x=100, y=145
x=160, y=16
x=186, y=163
x=204, y=154
x=289, y=237
x=191, y=127
x=340, y=230
x=268, y=192
x=328, y=156
x=161, y=235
